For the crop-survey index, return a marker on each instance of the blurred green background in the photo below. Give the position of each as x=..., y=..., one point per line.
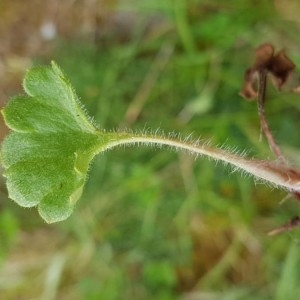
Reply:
x=155, y=224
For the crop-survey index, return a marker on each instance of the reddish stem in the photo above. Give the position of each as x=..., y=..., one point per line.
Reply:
x=262, y=86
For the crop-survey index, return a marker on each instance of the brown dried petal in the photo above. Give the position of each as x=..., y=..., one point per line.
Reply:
x=263, y=56
x=248, y=90
x=281, y=68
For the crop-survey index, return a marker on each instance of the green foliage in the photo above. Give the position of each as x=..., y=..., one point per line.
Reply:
x=47, y=155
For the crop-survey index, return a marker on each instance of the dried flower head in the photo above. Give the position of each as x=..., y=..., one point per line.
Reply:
x=278, y=65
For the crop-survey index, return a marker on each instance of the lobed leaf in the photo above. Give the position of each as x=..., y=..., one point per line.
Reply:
x=47, y=154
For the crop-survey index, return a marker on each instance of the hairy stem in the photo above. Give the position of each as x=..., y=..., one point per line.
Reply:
x=266, y=170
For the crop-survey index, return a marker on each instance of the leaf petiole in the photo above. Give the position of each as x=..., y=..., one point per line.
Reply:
x=268, y=171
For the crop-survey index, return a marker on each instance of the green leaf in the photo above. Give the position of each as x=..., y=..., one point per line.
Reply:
x=47, y=154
